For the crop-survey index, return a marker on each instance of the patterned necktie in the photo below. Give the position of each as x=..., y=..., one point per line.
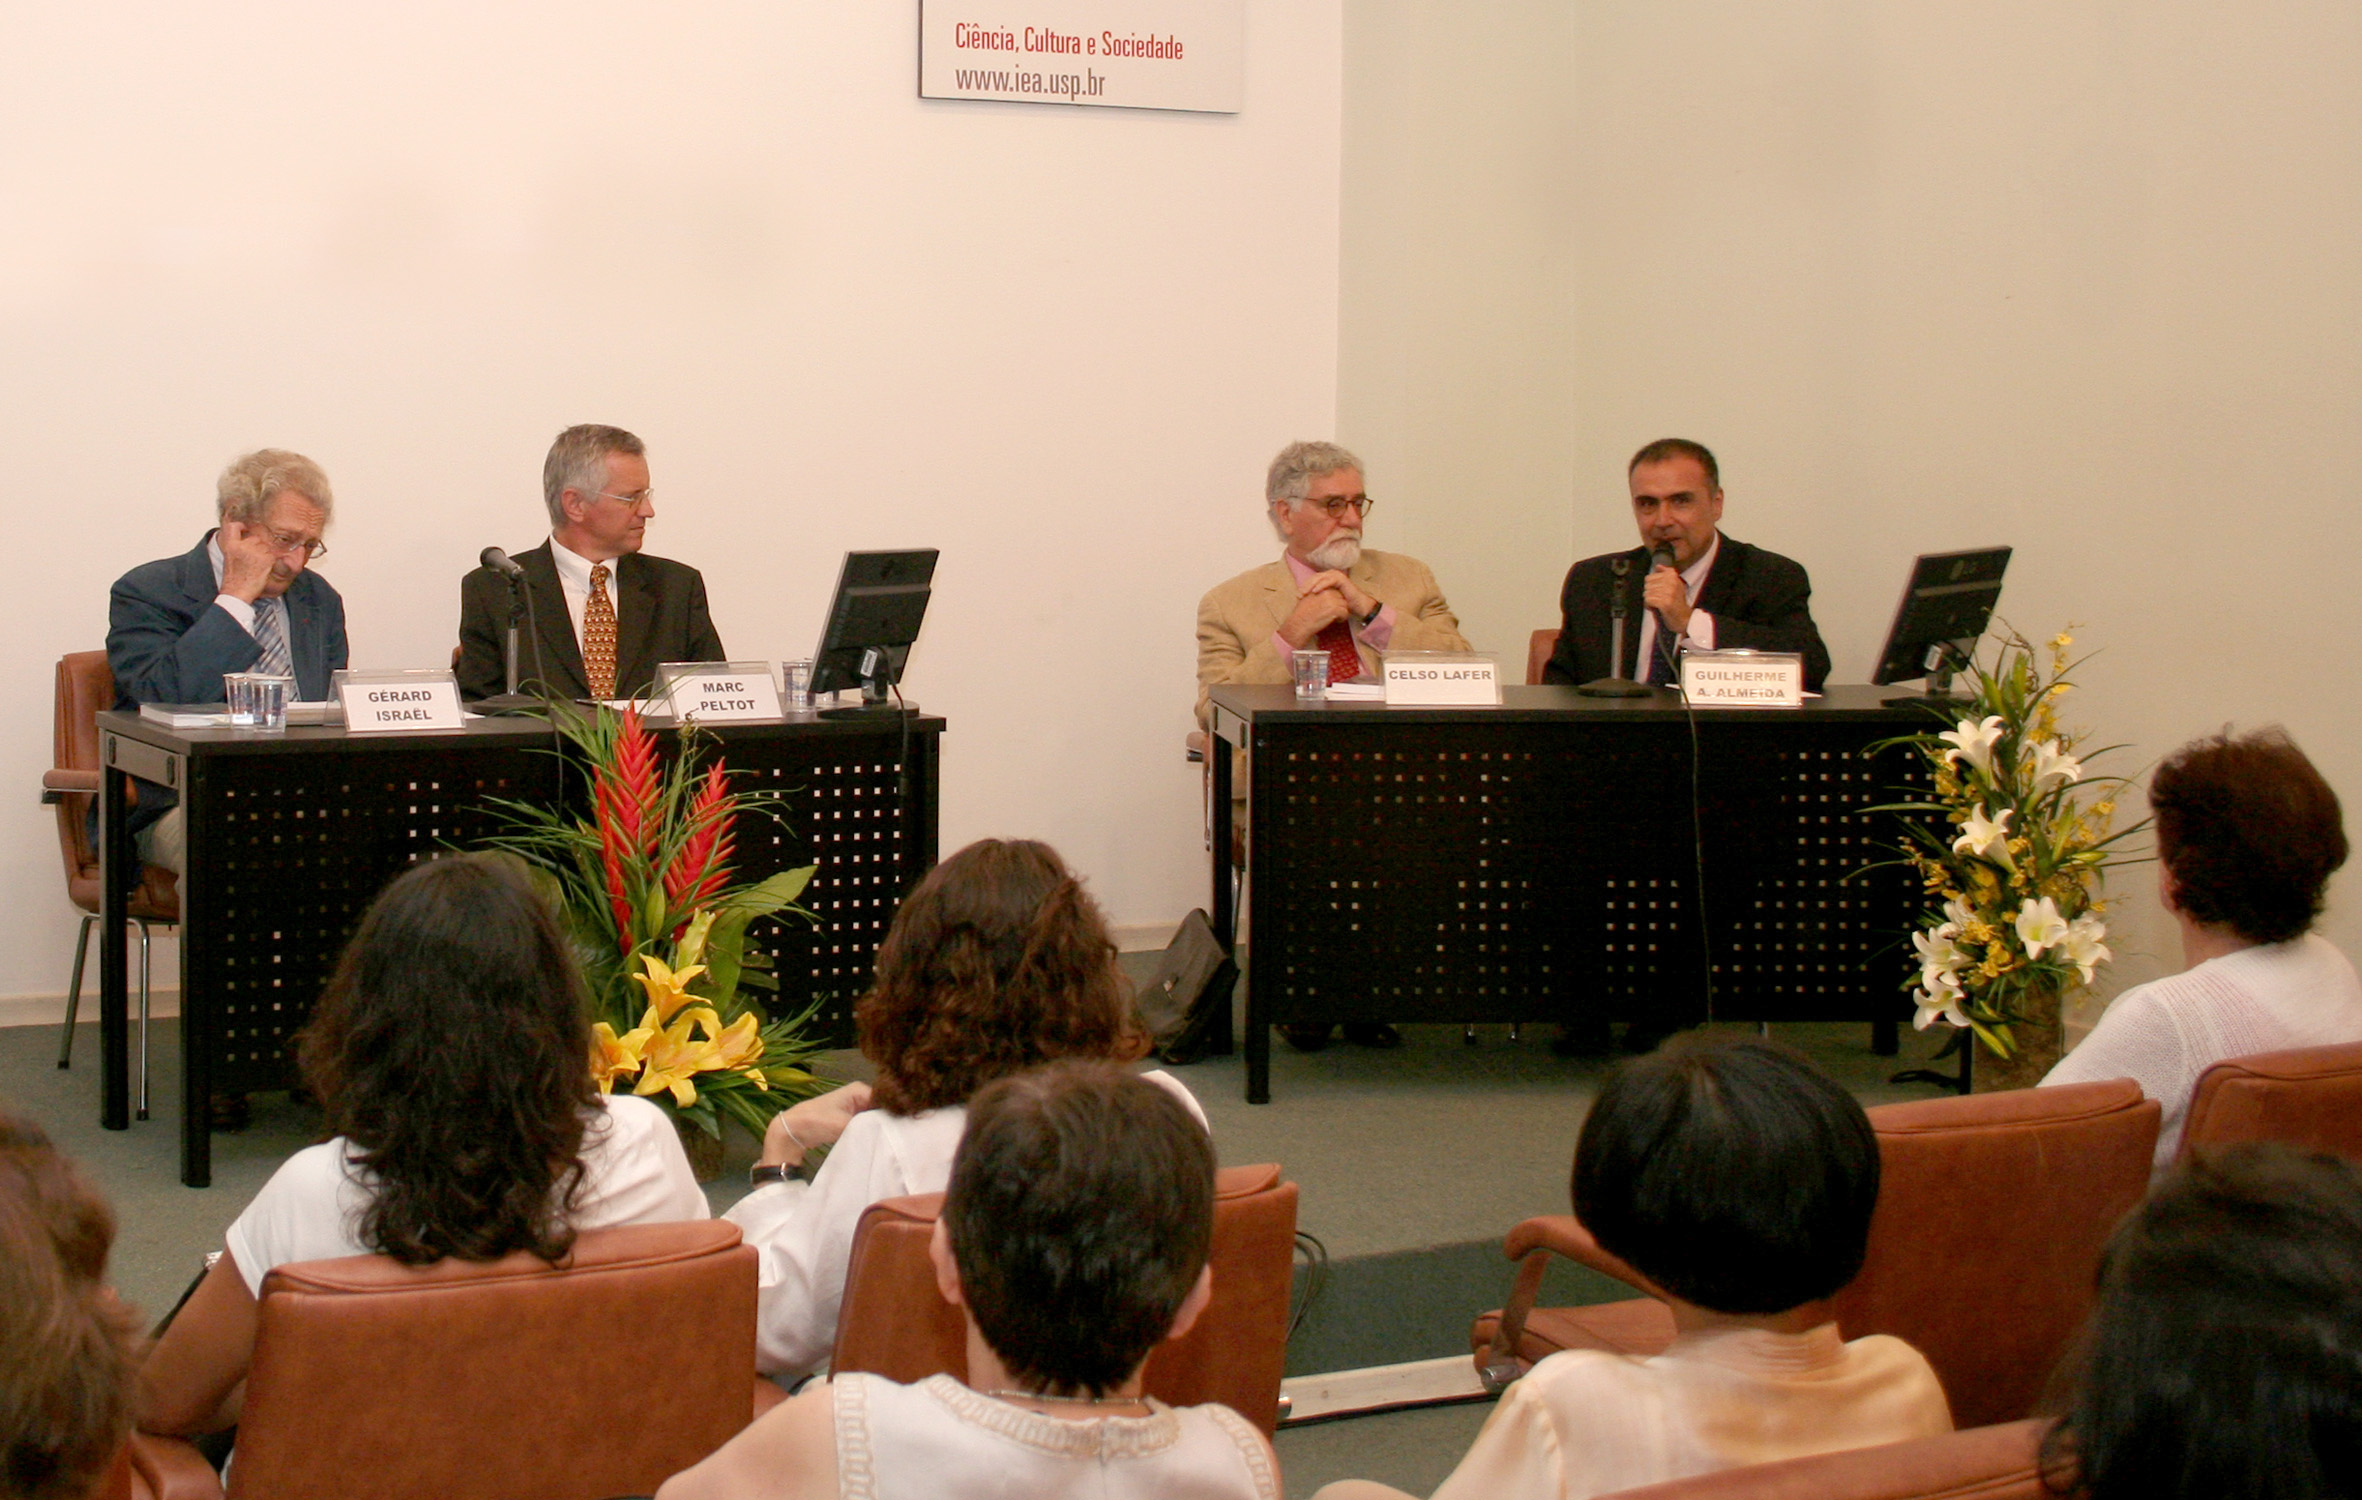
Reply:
x=270, y=631
x=1660, y=657
x=1337, y=639
x=598, y=636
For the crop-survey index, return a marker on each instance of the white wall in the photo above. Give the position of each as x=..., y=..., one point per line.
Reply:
x=414, y=243
x=2078, y=277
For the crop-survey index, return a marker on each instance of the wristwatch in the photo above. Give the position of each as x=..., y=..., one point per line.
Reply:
x=759, y=1174
x=1377, y=608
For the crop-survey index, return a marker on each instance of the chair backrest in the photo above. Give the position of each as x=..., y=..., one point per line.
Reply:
x=1992, y=1213
x=2310, y=1097
x=604, y=1375
x=1977, y=1463
x=1538, y=652
x=85, y=685
x=894, y=1323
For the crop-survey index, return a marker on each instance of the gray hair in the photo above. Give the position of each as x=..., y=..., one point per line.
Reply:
x=578, y=461
x=1299, y=464
x=252, y=481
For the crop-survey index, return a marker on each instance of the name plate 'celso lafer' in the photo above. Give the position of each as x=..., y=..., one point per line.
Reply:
x=1442, y=679
x=1743, y=679
x=378, y=702
x=720, y=692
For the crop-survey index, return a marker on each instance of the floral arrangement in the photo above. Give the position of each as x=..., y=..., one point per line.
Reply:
x=644, y=889
x=2012, y=853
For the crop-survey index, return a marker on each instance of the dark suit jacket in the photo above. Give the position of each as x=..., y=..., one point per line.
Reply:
x=1759, y=600
x=168, y=642
x=661, y=616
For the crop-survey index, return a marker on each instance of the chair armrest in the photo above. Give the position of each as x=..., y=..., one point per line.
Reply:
x=1195, y=744
x=1531, y=1244
x=63, y=779
x=169, y=1468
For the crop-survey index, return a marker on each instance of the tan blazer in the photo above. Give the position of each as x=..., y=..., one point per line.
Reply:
x=1235, y=620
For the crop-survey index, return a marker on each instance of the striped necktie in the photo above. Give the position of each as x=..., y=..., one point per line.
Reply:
x=270, y=629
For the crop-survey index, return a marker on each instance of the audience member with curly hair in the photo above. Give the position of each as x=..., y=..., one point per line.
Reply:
x=2223, y=1360
x=1074, y=1237
x=451, y=1054
x=998, y=962
x=66, y=1361
x=2248, y=834
x=1739, y=1180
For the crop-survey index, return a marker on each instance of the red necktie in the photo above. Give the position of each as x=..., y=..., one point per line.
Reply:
x=1344, y=662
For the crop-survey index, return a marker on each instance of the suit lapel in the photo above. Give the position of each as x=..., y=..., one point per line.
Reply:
x=304, y=651
x=635, y=634
x=1723, y=579
x=561, y=654
x=1279, y=592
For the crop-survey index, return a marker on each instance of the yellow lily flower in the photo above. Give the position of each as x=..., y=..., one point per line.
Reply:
x=667, y=990
x=739, y=1046
x=673, y=1058
x=613, y=1056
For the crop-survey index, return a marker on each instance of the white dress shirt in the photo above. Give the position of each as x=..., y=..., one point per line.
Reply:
x=1699, y=636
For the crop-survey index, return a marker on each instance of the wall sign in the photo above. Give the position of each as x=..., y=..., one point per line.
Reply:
x=1122, y=54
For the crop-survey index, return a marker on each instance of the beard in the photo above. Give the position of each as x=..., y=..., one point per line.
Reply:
x=1339, y=553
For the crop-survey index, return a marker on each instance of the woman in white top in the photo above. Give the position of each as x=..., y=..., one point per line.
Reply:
x=451, y=1054
x=1739, y=1180
x=1074, y=1237
x=2248, y=834
x=997, y=962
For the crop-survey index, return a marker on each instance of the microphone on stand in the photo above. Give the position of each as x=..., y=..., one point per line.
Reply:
x=520, y=613
x=1617, y=608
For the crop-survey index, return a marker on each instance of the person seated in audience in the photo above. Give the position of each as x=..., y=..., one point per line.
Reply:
x=998, y=961
x=1074, y=1239
x=2248, y=834
x=66, y=1361
x=450, y=1053
x=2224, y=1355
x=1738, y=1179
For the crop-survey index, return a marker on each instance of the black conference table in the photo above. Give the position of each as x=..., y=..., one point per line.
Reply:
x=1540, y=861
x=289, y=837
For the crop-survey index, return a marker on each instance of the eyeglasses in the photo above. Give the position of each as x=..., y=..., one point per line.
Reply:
x=281, y=542
x=1337, y=505
x=644, y=497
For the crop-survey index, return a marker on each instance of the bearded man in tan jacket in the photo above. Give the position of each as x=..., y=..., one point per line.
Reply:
x=1326, y=592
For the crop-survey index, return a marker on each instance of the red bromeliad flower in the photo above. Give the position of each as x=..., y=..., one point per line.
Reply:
x=637, y=787
x=611, y=846
x=702, y=867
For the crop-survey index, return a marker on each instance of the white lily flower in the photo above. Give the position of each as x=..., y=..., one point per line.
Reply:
x=1973, y=743
x=1940, y=1002
x=1986, y=836
x=2083, y=947
x=2040, y=926
x=1957, y=916
x=2050, y=760
x=1940, y=959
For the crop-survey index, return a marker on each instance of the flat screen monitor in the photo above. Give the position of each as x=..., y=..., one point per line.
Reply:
x=881, y=599
x=1945, y=609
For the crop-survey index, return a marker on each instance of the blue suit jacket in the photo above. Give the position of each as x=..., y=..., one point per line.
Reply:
x=168, y=642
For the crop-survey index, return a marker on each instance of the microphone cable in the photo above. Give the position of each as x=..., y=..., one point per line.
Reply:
x=1697, y=813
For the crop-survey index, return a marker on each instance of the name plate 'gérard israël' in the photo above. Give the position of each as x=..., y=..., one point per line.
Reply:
x=1743, y=679
x=720, y=692
x=1441, y=679
x=376, y=702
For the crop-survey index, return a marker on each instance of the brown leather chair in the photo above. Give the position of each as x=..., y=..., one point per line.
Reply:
x=85, y=685
x=501, y=1380
x=1978, y=1463
x=2309, y=1096
x=1538, y=652
x=894, y=1323
x=1992, y=1212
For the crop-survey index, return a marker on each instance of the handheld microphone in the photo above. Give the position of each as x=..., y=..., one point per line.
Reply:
x=500, y=562
x=1661, y=556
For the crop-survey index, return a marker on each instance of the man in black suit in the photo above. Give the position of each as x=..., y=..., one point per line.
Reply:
x=1718, y=592
x=606, y=614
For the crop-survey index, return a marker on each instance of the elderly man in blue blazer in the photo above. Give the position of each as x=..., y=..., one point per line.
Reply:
x=244, y=599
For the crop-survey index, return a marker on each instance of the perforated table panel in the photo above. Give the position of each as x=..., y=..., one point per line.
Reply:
x=290, y=837
x=1539, y=862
